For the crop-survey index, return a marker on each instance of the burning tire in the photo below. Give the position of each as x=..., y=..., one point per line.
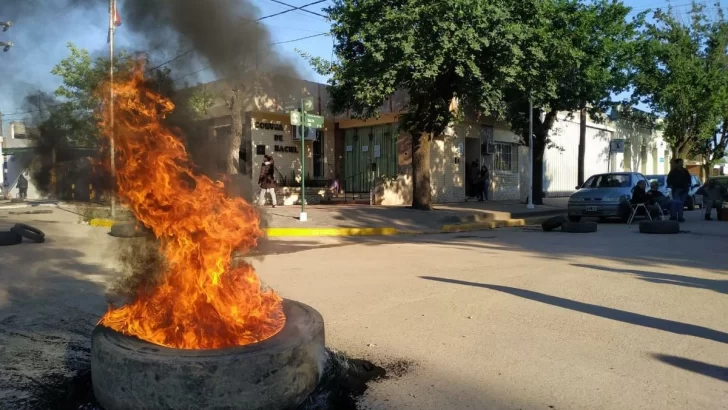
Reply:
x=27, y=231
x=277, y=373
x=660, y=227
x=553, y=223
x=579, y=227
x=10, y=238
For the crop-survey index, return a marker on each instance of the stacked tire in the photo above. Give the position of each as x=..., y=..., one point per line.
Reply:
x=20, y=231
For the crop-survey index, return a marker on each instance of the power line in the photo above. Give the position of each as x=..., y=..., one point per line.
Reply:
x=294, y=8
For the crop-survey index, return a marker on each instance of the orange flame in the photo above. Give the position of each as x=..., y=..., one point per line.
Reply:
x=200, y=302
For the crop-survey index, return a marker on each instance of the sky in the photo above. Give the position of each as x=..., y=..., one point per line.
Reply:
x=40, y=35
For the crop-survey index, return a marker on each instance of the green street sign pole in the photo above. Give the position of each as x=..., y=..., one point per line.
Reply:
x=303, y=217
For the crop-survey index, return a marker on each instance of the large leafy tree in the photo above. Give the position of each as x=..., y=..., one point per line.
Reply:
x=451, y=57
x=589, y=48
x=681, y=75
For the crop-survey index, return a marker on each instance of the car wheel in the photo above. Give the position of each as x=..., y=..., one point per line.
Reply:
x=574, y=218
x=690, y=204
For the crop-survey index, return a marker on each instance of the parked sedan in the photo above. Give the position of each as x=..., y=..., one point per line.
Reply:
x=601, y=196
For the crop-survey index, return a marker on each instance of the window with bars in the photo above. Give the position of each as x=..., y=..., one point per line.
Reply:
x=505, y=157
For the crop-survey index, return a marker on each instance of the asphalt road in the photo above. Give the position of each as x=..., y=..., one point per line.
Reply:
x=503, y=319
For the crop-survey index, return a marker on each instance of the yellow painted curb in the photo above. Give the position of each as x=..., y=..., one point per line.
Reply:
x=482, y=226
x=101, y=222
x=282, y=232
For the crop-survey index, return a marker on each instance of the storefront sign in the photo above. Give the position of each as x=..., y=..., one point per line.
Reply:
x=268, y=126
x=286, y=149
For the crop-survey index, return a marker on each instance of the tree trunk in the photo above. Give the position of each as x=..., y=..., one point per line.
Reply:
x=539, y=147
x=236, y=133
x=707, y=167
x=582, y=145
x=421, y=193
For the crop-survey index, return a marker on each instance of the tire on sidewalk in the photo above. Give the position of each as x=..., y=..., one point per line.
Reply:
x=129, y=230
x=660, y=227
x=10, y=238
x=27, y=231
x=579, y=227
x=553, y=223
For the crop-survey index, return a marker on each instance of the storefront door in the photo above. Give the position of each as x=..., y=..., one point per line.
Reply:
x=370, y=152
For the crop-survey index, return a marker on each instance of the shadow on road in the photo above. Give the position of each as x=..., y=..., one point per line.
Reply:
x=720, y=286
x=706, y=369
x=600, y=311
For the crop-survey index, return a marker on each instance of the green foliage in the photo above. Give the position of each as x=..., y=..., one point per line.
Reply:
x=681, y=74
x=200, y=102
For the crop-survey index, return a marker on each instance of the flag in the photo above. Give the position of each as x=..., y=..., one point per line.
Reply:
x=115, y=19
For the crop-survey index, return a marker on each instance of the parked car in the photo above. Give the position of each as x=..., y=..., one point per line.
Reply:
x=601, y=196
x=723, y=180
x=693, y=198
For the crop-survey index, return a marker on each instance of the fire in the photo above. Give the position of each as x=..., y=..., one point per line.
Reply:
x=201, y=302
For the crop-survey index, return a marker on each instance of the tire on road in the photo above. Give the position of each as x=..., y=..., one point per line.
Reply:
x=10, y=238
x=574, y=218
x=276, y=373
x=27, y=231
x=579, y=227
x=553, y=223
x=660, y=227
x=129, y=230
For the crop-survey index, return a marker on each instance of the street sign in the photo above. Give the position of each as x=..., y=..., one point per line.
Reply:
x=307, y=104
x=313, y=121
x=616, y=146
x=295, y=118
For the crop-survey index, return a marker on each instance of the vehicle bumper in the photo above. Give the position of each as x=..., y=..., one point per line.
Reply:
x=603, y=210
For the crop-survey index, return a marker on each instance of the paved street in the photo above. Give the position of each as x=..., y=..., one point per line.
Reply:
x=502, y=319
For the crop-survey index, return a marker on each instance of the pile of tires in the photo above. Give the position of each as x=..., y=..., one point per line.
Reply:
x=563, y=223
x=16, y=234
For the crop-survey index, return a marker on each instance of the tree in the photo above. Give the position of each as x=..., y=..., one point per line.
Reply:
x=589, y=52
x=451, y=57
x=679, y=75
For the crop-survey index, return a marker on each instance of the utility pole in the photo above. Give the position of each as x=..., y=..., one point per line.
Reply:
x=6, y=44
x=112, y=18
x=530, y=154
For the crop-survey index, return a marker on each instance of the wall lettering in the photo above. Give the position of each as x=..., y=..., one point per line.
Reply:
x=278, y=137
x=268, y=126
x=291, y=149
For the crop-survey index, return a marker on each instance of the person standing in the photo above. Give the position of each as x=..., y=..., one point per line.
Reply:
x=485, y=176
x=22, y=187
x=679, y=181
x=267, y=181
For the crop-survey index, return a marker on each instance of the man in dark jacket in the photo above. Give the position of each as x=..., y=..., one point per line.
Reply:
x=22, y=187
x=640, y=196
x=679, y=181
x=267, y=181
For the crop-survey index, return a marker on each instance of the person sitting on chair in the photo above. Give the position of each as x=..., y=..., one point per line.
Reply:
x=639, y=196
x=713, y=196
x=657, y=197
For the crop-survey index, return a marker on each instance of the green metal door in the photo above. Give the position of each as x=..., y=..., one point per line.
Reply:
x=370, y=152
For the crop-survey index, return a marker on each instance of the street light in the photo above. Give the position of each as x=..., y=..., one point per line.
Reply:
x=6, y=45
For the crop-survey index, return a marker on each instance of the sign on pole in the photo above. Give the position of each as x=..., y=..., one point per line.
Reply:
x=295, y=118
x=290, y=106
x=616, y=146
x=313, y=121
x=307, y=103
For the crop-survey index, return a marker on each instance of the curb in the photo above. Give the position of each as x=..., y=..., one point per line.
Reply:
x=101, y=222
x=18, y=206
x=481, y=226
x=292, y=232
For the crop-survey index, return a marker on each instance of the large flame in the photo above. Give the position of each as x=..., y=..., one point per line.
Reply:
x=201, y=302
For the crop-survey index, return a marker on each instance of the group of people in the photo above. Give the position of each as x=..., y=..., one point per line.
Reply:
x=679, y=180
x=479, y=181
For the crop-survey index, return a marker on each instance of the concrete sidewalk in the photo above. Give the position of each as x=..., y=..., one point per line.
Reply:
x=445, y=218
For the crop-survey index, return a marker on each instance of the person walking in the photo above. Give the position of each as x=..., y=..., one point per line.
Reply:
x=485, y=176
x=22, y=187
x=267, y=181
x=679, y=181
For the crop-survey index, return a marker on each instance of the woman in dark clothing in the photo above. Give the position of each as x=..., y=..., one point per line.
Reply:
x=267, y=181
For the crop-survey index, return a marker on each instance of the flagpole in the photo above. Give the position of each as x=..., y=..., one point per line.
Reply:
x=112, y=18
